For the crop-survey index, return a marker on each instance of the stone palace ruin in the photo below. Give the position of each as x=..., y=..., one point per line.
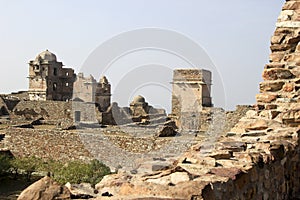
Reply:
x=189, y=154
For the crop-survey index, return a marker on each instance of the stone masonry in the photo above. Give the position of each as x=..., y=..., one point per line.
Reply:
x=259, y=158
x=48, y=80
x=87, y=89
x=191, y=92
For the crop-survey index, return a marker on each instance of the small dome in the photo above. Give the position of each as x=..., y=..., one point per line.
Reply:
x=139, y=99
x=46, y=56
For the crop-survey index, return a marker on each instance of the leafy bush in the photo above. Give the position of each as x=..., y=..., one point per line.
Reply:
x=97, y=171
x=73, y=171
x=78, y=172
x=26, y=164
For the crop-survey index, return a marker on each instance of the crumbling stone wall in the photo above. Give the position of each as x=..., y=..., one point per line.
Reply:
x=276, y=158
x=279, y=93
x=274, y=177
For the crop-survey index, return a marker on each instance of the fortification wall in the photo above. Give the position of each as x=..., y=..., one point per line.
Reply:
x=271, y=177
x=272, y=145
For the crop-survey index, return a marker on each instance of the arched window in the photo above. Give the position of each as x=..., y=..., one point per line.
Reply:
x=54, y=86
x=55, y=71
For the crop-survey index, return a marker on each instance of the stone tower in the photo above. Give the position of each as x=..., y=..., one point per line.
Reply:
x=103, y=94
x=191, y=92
x=48, y=80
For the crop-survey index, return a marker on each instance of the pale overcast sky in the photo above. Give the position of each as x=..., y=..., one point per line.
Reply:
x=234, y=33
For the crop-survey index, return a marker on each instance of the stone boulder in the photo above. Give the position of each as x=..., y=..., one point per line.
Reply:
x=45, y=189
x=110, y=184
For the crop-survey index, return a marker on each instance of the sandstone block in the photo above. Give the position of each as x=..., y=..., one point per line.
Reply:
x=161, y=181
x=257, y=125
x=276, y=56
x=234, y=146
x=280, y=47
x=82, y=190
x=274, y=65
x=178, y=177
x=296, y=71
x=265, y=97
x=285, y=15
x=298, y=48
x=251, y=114
x=270, y=106
x=291, y=5
x=291, y=118
x=254, y=134
x=288, y=87
x=226, y=172
x=292, y=39
x=277, y=39
x=288, y=24
x=293, y=58
x=269, y=114
x=284, y=31
x=221, y=155
x=271, y=86
x=277, y=73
